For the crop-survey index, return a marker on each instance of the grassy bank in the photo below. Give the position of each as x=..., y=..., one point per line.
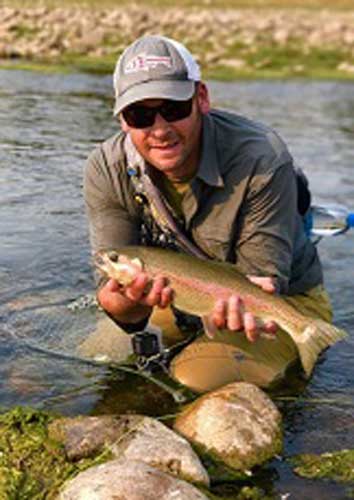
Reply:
x=105, y=66
x=230, y=39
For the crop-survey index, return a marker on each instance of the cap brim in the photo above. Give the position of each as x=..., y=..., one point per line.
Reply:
x=176, y=90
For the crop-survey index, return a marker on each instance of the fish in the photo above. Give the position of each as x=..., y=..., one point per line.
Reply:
x=197, y=283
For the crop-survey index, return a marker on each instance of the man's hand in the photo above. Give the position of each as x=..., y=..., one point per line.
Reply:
x=134, y=302
x=231, y=313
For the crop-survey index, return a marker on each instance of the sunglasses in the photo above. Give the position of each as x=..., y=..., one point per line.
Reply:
x=140, y=116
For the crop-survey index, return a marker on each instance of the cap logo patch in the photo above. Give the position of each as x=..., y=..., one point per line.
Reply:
x=143, y=62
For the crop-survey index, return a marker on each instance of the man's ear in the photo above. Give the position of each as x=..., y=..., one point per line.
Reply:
x=203, y=98
x=123, y=124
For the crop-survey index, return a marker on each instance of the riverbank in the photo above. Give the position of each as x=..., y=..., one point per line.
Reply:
x=228, y=42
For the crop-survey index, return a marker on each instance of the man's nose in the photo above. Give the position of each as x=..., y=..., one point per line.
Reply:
x=160, y=125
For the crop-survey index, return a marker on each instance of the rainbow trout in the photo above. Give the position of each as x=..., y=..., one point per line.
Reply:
x=197, y=283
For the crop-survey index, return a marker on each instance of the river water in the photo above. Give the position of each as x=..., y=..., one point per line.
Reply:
x=48, y=125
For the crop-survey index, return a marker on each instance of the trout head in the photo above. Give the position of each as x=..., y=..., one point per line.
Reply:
x=118, y=266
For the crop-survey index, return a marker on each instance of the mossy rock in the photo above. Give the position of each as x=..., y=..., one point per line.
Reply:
x=338, y=466
x=237, y=425
x=31, y=464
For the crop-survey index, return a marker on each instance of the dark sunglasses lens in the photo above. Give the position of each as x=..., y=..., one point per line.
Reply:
x=173, y=111
x=139, y=116
x=143, y=116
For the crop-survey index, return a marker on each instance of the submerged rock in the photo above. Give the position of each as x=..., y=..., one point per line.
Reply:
x=128, y=480
x=237, y=424
x=132, y=437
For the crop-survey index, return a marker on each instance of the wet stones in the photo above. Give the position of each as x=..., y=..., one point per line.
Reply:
x=140, y=458
x=130, y=437
x=238, y=425
x=128, y=480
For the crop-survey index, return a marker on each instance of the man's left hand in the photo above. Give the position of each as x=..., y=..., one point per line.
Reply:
x=231, y=313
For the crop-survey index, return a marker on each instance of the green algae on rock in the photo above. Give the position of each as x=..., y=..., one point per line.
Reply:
x=338, y=465
x=31, y=464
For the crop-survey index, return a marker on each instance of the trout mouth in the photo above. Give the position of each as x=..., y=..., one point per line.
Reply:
x=118, y=266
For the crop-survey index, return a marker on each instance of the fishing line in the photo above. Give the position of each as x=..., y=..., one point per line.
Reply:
x=177, y=394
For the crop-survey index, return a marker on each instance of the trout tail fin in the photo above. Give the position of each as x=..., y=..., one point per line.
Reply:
x=316, y=337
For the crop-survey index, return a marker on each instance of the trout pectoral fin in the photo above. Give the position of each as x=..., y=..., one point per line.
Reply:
x=209, y=328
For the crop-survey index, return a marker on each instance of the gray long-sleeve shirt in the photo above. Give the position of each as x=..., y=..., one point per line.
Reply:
x=241, y=206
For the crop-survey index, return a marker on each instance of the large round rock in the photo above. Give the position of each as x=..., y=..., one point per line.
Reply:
x=128, y=480
x=237, y=424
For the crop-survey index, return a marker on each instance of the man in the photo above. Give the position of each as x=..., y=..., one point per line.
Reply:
x=227, y=185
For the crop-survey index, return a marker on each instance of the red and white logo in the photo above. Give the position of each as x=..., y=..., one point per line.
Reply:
x=143, y=62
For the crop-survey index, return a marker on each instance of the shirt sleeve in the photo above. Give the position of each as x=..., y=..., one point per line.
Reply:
x=111, y=218
x=267, y=225
x=112, y=221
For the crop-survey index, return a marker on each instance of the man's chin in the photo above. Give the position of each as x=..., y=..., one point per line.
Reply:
x=165, y=165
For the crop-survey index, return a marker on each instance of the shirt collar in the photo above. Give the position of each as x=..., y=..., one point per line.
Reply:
x=209, y=170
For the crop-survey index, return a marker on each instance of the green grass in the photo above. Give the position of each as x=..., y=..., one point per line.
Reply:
x=274, y=70
x=22, y=30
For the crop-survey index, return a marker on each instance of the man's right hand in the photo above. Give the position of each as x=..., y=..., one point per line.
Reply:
x=134, y=302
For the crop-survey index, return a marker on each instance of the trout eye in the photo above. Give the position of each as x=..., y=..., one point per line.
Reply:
x=113, y=256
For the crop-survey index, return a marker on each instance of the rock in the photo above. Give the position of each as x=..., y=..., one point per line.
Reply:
x=91, y=39
x=347, y=67
x=132, y=437
x=153, y=443
x=86, y=436
x=233, y=63
x=281, y=36
x=237, y=424
x=128, y=480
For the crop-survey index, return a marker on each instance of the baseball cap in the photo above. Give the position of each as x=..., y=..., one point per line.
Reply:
x=154, y=67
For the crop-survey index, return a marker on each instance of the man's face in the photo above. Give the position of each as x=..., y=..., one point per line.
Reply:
x=172, y=147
